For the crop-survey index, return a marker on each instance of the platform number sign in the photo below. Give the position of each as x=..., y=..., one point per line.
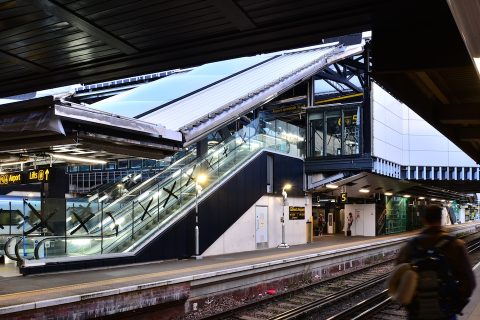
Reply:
x=343, y=197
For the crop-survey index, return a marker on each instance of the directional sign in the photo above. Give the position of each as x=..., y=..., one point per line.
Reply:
x=343, y=197
x=38, y=175
x=10, y=178
x=24, y=177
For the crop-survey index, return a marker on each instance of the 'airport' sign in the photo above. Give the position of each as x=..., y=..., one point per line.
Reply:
x=24, y=177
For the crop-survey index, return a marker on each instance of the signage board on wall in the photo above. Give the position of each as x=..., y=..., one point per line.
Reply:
x=343, y=197
x=24, y=177
x=7, y=179
x=296, y=213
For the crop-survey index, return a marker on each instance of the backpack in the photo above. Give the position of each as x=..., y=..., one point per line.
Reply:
x=436, y=290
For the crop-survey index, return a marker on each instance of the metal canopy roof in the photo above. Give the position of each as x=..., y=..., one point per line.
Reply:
x=40, y=126
x=380, y=184
x=418, y=53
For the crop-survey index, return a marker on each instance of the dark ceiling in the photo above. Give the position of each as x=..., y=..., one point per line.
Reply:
x=418, y=54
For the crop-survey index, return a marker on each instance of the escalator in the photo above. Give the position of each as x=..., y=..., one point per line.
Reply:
x=129, y=225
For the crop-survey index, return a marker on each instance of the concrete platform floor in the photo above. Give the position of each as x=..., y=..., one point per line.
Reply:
x=22, y=290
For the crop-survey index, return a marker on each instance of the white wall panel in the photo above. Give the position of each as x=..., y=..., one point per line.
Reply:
x=429, y=158
x=387, y=151
x=421, y=127
x=459, y=158
x=428, y=143
x=415, y=141
x=241, y=235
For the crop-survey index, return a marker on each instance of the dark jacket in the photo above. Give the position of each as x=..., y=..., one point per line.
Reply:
x=455, y=253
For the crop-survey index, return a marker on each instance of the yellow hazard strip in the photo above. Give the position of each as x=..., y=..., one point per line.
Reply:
x=340, y=98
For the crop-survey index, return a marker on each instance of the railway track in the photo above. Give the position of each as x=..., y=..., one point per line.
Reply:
x=381, y=307
x=357, y=295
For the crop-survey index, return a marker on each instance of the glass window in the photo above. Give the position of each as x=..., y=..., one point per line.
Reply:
x=333, y=133
x=110, y=166
x=84, y=168
x=97, y=167
x=122, y=164
x=316, y=137
x=351, y=131
x=136, y=163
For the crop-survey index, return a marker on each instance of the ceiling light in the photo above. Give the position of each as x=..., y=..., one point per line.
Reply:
x=477, y=64
x=388, y=193
x=77, y=159
x=421, y=198
x=406, y=196
x=433, y=199
x=362, y=190
x=105, y=197
x=331, y=186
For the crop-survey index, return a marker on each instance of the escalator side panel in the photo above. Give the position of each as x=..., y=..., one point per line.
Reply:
x=223, y=208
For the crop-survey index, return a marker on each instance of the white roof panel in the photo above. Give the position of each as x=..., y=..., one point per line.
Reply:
x=188, y=110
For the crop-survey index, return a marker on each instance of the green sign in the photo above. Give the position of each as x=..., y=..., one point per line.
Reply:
x=296, y=213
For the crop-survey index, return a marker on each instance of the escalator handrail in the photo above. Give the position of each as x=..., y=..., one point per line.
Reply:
x=6, y=245
x=170, y=176
x=49, y=238
x=141, y=185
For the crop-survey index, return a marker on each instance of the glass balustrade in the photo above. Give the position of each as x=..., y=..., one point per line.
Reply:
x=155, y=204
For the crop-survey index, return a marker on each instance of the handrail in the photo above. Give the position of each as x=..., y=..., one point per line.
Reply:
x=6, y=245
x=49, y=238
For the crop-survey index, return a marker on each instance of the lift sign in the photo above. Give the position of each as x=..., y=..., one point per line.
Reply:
x=39, y=175
x=11, y=178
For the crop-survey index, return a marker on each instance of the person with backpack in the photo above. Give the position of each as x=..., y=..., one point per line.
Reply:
x=443, y=279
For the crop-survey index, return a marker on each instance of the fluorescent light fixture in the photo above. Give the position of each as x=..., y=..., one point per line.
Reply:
x=477, y=64
x=13, y=163
x=433, y=199
x=363, y=190
x=105, y=197
x=406, y=196
x=333, y=200
x=388, y=193
x=138, y=176
x=77, y=159
x=331, y=186
x=421, y=198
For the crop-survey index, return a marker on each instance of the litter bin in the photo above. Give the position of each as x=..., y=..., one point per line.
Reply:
x=309, y=231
